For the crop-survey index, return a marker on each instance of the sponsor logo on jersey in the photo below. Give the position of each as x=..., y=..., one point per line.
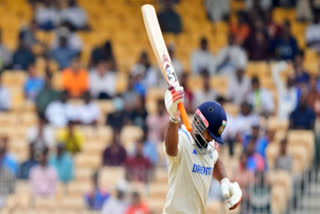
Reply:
x=202, y=170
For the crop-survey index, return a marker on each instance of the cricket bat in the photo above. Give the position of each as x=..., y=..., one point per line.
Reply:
x=160, y=50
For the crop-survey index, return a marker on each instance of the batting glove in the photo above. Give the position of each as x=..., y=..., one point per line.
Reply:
x=231, y=192
x=172, y=97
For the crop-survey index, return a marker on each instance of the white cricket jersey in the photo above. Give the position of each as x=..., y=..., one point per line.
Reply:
x=190, y=175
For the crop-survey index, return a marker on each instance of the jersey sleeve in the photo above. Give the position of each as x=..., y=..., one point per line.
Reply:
x=182, y=137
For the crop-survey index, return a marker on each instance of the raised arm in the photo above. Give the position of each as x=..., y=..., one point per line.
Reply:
x=172, y=97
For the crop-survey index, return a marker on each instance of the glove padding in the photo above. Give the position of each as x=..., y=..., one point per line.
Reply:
x=172, y=97
x=231, y=192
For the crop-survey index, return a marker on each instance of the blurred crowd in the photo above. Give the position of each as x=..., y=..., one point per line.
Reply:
x=254, y=36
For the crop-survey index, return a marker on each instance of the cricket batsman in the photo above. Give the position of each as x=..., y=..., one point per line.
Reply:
x=193, y=157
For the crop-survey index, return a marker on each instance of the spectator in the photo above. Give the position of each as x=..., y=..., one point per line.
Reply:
x=217, y=10
x=63, y=163
x=177, y=65
x=273, y=28
x=7, y=159
x=138, y=115
x=231, y=57
x=89, y=111
x=238, y=87
x=303, y=117
x=46, y=95
x=144, y=68
x=119, y=117
x=284, y=160
x=5, y=54
x=260, y=98
x=257, y=46
x=313, y=96
x=71, y=138
x=115, y=154
x=103, y=53
x=285, y=47
x=74, y=41
x=313, y=34
x=33, y=84
x=57, y=112
x=241, y=29
x=63, y=54
x=137, y=206
x=41, y=135
x=46, y=15
x=96, y=197
x=149, y=148
x=22, y=57
x=259, y=139
x=169, y=19
x=202, y=58
x=27, y=165
x=244, y=177
x=138, y=167
x=130, y=96
x=7, y=173
x=206, y=93
x=117, y=204
x=255, y=160
x=43, y=178
x=74, y=15
x=5, y=97
x=75, y=79
x=188, y=94
x=258, y=5
x=103, y=81
x=260, y=194
x=28, y=34
x=157, y=122
x=287, y=94
x=304, y=11
x=284, y=3
x=300, y=73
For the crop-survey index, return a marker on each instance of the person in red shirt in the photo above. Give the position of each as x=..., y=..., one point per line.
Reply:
x=137, y=206
x=138, y=168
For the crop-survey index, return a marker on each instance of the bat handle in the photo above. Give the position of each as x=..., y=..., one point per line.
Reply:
x=184, y=116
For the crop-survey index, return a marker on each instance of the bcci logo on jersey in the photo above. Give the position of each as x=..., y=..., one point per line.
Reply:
x=202, y=169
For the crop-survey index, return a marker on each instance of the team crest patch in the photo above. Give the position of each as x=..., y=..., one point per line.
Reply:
x=222, y=127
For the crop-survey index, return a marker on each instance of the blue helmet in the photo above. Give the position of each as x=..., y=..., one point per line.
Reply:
x=211, y=116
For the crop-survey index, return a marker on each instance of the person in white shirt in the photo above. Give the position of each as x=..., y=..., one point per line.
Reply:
x=144, y=68
x=217, y=9
x=287, y=94
x=74, y=41
x=312, y=34
x=119, y=203
x=103, y=81
x=260, y=98
x=75, y=15
x=230, y=58
x=202, y=58
x=46, y=15
x=42, y=135
x=57, y=112
x=205, y=93
x=5, y=97
x=193, y=158
x=238, y=87
x=89, y=111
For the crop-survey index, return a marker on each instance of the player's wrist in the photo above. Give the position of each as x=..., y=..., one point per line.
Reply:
x=173, y=119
